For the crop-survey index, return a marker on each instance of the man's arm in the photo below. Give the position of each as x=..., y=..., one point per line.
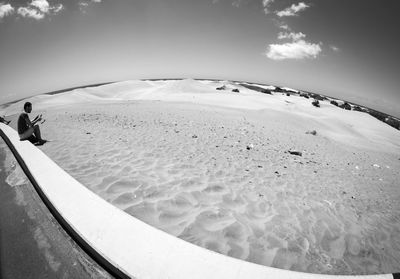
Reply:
x=37, y=119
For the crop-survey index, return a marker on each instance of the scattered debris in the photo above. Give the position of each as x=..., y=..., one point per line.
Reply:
x=313, y=132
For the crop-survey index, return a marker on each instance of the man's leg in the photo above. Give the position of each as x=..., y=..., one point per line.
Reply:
x=32, y=139
x=36, y=131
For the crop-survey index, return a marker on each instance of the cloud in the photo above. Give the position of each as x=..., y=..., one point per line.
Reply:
x=39, y=9
x=41, y=5
x=266, y=5
x=335, y=48
x=236, y=3
x=295, y=50
x=84, y=4
x=293, y=36
x=30, y=12
x=293, y=10
x=284, y=26
x=6, y=10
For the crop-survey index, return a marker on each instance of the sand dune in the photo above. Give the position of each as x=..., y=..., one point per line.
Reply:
x=213, y=168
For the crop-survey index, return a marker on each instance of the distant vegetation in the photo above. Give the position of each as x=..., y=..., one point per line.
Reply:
x=390, y=120
x=345, y=106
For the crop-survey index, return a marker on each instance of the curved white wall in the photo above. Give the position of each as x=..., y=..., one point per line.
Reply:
x=139, y=250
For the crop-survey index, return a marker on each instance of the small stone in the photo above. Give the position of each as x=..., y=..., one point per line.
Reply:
x=250, y=146
x=194, y=136
x=297, y=153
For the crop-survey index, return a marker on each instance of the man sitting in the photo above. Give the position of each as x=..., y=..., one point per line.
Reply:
x=28, y=130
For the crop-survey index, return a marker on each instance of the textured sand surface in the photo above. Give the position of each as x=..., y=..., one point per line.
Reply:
x=222, y=178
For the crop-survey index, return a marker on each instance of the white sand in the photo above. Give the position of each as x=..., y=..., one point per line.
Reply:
x=212, y=168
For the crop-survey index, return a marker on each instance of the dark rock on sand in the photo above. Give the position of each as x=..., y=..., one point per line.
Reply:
x=315, y=103
x=294, y=152
x=313, y=132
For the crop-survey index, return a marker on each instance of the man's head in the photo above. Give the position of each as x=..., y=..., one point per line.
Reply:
x=28, y=107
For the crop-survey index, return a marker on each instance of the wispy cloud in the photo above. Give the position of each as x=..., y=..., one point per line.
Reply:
x=5, y=10
x=83, y=5
x=293, y=10
x=335, y=48
x=293, y=36
x=266, y=5
x=295, y=50
x=236, y=3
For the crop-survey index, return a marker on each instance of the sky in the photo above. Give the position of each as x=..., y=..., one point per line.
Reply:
x=340, y=48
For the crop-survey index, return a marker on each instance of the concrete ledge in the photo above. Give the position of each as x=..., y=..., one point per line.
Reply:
x=134, y=248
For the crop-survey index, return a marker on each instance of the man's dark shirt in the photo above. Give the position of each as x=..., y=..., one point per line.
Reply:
x=23, y=125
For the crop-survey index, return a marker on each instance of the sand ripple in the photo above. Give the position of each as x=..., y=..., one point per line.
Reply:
x=189, y=170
